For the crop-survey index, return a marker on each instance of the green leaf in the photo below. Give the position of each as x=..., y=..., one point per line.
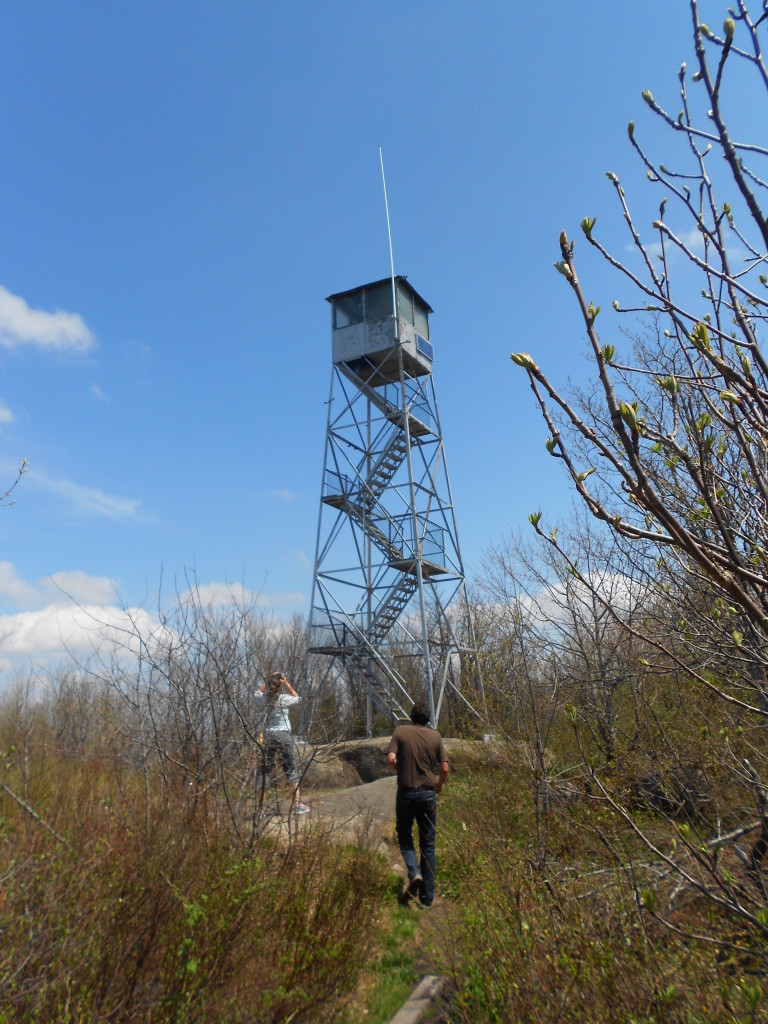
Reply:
x=648, y=899
x=668, y=383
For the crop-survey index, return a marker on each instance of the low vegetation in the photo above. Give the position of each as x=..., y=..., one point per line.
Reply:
x=104, y=917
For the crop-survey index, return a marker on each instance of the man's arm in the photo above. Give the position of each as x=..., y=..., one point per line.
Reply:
x=392, y=760
x=442, y=777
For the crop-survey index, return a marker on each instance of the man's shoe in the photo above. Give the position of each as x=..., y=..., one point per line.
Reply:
x=413, y=889
x=302, y=808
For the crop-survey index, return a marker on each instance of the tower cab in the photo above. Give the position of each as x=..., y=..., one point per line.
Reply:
x=367, y=335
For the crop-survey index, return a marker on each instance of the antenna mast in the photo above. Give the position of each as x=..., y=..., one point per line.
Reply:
x=389, y=234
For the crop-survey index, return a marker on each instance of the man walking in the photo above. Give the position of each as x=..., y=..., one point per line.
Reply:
x=417, y=752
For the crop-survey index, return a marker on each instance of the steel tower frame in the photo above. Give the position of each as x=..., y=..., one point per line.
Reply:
x=389, y=579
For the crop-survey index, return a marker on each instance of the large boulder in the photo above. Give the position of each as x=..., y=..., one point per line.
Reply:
x=369, y=758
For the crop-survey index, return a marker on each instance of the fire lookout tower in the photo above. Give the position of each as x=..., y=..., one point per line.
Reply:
x=389, y=602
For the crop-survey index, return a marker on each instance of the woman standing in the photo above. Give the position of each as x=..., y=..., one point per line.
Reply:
x=277, y=698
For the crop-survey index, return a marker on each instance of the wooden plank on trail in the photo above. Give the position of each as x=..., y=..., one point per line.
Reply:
x=417, y=1004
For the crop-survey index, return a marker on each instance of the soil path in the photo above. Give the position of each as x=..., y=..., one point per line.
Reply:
x=364, y=812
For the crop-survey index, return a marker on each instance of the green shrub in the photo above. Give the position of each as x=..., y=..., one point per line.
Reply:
x=120, y=922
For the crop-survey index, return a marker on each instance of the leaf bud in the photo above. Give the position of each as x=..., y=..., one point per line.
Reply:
x=699, y=336
x=629, y=415
x=524, y=360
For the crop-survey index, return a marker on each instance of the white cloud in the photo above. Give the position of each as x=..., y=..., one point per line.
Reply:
x=78, y=586
x=14, y=589
x=282, y=495
x=59, y=331
x=58, y=630
x=66, y=613
x=560, y=605
x=692, y=240
x=71, y=614
x=60, y=588
x=220, y=595
x=98, y=394
x=90, y=500
x=6, y=416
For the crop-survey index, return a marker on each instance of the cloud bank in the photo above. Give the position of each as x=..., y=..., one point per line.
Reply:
x=71, y=614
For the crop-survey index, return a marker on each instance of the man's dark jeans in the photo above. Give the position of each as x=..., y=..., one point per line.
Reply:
x=419, y=805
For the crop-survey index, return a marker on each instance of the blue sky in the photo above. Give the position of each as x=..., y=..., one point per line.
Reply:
x=181, y=185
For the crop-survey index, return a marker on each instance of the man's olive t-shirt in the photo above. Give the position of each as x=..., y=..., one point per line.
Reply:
x=420, y=751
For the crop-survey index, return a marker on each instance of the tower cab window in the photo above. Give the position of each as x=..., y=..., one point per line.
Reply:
x=378, y=302
x=347, y=310
x=420, y=319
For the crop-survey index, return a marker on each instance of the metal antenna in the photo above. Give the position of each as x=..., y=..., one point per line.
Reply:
x=389, y=233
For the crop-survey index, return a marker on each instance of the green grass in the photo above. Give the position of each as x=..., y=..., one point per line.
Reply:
x=393, y=974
